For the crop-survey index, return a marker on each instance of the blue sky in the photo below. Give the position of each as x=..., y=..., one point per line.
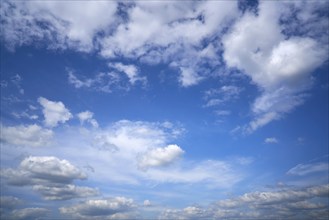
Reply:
x=164, y=110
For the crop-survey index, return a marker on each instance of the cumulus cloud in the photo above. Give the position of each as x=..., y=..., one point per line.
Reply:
x=26, y=135
x=87, y=116
x=34, y=170
x=160, y=156
x=49, y=176
x=131, y=72
x=305, y=169
x=281, y=67
x=271, y=140
x=289, y=203
x=54, y=112
x=62, y=25
x=112, y=208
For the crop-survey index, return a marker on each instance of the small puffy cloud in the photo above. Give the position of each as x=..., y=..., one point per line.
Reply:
x=147, y=203
x=87, y=116
x=54, y=112
x=305, y=169
x=160, y=156
x=271, y=140
x=26, y=135
x=102, y=208
x=131, y=72
x=189, y=77
x=222, y=112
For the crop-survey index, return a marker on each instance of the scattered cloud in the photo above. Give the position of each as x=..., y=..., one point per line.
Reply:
x=147, y=203
x=112, y=208
x=17, y=81
x=87, y=116
x=54, y=112
x=305, y=169
x=131, y=72
x=9, y=202
x=222, y=95
x=160, y=156
x=26, y=135
x=271, y=140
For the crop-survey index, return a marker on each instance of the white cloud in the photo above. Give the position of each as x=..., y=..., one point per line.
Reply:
x=222, y=112
x=271, y=140
x=49, y=176
x=222, y=95
x=38, y=170
x=87, y=116
x=29, y=135
x=54, y=112
x=160, y=156
x=147, y=203
x=305, y=169
x=131, y=72
x=63, y=25
x=189, y=77
x=281, y=67
x=101, y=209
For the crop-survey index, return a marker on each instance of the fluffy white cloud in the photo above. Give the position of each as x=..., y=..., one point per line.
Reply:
x=271, y=140
x=49, y=176
x=111, y=208
x=87, y=116
x=160, y=156
x=280, y=66
x=54, y=112
x=64, y=25
x=305, y=169
x=35, y=170
x=131, y=72
x=29, y=135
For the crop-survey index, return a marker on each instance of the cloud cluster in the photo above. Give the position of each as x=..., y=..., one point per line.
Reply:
x=280, y=66
x=26, y=135
x=49, y=176
x=288, y=203
x=111, y=208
